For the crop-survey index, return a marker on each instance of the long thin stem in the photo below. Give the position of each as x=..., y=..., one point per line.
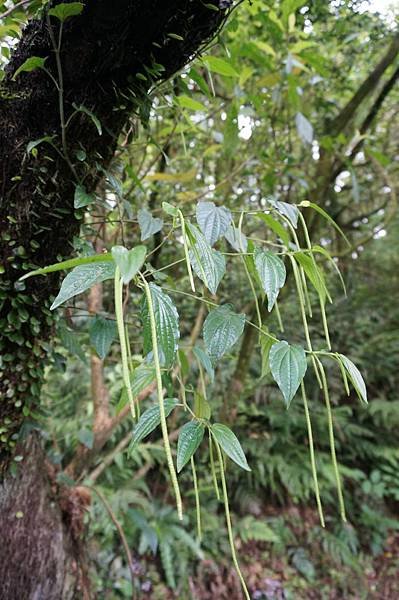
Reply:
x=332, y=443
x=158, y=373
x=312, y=455
x=118, y=287
x=213, y=469
x=197, y=500
x=60, y=87
x=228, y=522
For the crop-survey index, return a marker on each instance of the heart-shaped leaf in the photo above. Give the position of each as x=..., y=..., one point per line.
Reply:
x=288, y=366
x=213, y=220
x=222, y=328
x=102, y=333
x=272, y=274
x=65, y=10
x=129, y=261
x=208, y=264
x=190, y=437
x=148, y=224
x=82, y=198
x=230, y=445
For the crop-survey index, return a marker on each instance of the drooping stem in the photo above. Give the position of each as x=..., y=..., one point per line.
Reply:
x=118, y=287
x=332, y=442
x=228, y=522
x=312, y=455
x=164, y=427
x=197, y=500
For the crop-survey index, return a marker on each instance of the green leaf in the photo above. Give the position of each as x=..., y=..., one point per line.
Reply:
x=330, y=259
x=205, y=361
x=102, y=333
x=142, y=377
x=170, y=209
x=63, y=11
x=167, y=324
x=69, y=339
x=324, y=214
x=190, y=103
x=287, y=210
x=148, y=224
x=213, y=220
x=95, y=120
x=230, y=444
x=32, y=144
x=304, y=128
x=70, y=264
x=82, y=198
x=208, y=264
x=81, y=279
x=236, y=238
x=314, y=274
x=222, y=329
x=129, y=261
x=149, y=420
x=288, y=366
x=272, y=274
x=220, y=66
x=202, y=409
x=190, y=437
x=31, y=64
x=86, y=437
x=265, y=346
x=276, y=227
x=355, y=377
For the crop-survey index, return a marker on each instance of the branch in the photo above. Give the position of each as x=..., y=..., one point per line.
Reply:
x=368, y=85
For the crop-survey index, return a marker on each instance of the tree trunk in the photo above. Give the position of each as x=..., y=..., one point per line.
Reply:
x=109, y=57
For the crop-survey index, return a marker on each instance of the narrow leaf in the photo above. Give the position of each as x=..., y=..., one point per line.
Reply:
x=190, y=437
x=355, y=377
x=230, y=445
x=149, y=421
x=81, y=279
x=272, y=274
x=205, y=361
x=167, y=324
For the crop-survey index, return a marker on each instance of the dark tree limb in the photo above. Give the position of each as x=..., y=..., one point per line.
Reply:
x=111, y=56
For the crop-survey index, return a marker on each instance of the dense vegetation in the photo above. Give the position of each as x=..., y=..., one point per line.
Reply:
x=278, y=146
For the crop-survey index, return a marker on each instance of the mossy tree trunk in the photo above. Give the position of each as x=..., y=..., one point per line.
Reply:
x=110, y=56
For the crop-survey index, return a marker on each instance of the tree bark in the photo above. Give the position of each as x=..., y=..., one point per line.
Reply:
x=110, y=57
